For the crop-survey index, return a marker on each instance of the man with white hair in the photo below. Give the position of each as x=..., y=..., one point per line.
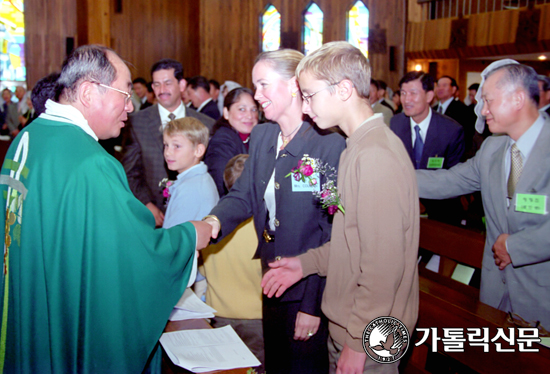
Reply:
x=512, y=171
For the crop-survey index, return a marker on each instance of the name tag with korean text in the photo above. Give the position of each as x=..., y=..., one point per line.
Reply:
x=435, y=162
x=531, y=203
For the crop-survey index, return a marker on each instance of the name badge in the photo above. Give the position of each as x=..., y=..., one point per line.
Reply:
x=435, y=162
x=530, y=203
x=299, y=186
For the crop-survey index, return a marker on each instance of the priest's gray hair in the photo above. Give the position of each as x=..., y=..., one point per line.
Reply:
x=518, y=76
x=86, y=63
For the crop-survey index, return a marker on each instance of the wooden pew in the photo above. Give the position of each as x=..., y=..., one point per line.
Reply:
x=446, y=303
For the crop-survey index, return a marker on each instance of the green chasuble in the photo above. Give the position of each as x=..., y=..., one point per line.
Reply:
x=88, y=283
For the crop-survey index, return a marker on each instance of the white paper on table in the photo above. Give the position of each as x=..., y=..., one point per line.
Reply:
x=207, y=349
x=191, y=307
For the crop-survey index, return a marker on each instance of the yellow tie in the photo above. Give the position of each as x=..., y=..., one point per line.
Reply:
x=516, y=167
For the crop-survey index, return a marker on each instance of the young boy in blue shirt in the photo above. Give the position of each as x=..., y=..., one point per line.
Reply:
x=193, y=195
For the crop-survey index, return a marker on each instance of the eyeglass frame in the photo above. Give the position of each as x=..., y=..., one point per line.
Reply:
x=307, y=98
x=127, y=94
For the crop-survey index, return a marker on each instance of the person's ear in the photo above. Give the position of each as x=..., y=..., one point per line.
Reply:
x=200, y=149
x=518, y=99
x=344, y=89
x=429, y=97
x=225, y=113
x=183, y=85
x=86, y=93
x=294, y=86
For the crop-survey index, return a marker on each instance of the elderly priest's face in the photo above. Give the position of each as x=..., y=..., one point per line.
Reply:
x=110, y=108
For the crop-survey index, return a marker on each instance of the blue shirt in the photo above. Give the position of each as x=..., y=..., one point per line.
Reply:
x=192, y=196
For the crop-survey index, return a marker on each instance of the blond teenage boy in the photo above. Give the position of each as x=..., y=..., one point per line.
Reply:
x=370, y=262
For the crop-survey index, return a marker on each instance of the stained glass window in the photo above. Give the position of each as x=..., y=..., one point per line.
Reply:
x=271, y=29
x=358, y=27
x=12, y=41
x=313, y=28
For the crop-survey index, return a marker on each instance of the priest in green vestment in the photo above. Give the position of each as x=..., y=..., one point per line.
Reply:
x=88, y=283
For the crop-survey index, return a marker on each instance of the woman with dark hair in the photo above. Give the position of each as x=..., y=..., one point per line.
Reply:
x=231, y=133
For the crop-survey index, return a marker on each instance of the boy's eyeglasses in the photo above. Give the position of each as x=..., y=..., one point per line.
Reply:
x=307, y=98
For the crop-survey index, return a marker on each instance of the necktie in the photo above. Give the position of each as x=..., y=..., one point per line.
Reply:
x=516, y=167
x=440, y=109
x=418, y=147
x=172, y=116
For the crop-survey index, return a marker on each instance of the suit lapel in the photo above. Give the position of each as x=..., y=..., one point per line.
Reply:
x=403, y=131
x=266, y=159
x=432, y=138
x=156, y=123
x=498, y=190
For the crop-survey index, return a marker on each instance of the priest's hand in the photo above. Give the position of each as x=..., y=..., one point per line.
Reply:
x=204, y=230
x=283, y=274
x=159, y=216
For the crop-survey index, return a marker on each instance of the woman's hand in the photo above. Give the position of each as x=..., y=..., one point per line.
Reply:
x=214, y=222
x=306, y=326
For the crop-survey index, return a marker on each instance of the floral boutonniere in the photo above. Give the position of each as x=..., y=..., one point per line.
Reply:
x=166, y=183
x=306, y=170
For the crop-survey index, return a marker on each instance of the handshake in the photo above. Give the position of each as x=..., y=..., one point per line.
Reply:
x=283, y=274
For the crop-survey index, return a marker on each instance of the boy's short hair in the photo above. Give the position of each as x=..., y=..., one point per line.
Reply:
x=336, y=61
x=233, y=170
x=191, y=128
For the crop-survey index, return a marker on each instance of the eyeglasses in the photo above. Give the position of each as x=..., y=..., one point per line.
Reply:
x=127, y=94
x=307, y=98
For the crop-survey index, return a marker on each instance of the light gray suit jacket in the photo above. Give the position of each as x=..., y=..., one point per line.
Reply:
x=526, y=282
x=144, y=159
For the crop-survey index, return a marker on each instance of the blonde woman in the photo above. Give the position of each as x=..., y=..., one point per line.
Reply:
x=288, y=220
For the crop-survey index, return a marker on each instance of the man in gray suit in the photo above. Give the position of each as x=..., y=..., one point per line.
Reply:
x=512, y=170
x=144, y=160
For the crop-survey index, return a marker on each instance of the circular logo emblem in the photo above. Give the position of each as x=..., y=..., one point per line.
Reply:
x=386, y=339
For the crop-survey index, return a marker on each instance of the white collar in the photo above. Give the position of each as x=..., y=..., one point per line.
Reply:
x=423, y=125
x=204, y=104
x=445, y=104
x=163, y=113
x=69, y=114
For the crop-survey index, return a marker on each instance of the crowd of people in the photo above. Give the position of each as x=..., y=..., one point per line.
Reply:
x=221, y=188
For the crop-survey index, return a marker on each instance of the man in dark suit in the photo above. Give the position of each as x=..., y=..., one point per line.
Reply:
x=512, y=172
x=144, y=161
x=432, y=140
x=544, y=95
x=198, y=90
x=452, y=107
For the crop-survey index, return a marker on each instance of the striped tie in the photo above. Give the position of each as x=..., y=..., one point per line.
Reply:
x=516, y=167
x=418, y=147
